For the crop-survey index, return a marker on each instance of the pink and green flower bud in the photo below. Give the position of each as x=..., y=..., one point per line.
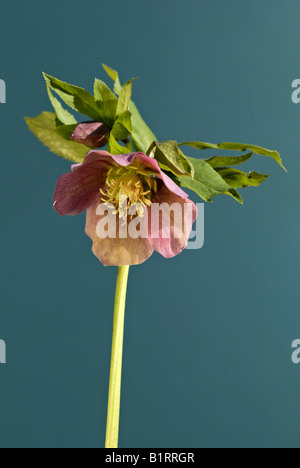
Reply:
x=92, y=134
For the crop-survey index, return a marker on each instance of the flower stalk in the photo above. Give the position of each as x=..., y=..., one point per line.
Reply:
x=114, y=396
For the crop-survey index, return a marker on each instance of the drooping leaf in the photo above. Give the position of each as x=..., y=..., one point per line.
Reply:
x=207, y=183
x=122, y=127
x=223, y=161
x=142, y=137
x=255, y=149
x=239, y=179
x=171, y=158
x=75, y=97
x=115, y=148
x=63, y=116
x=200, y=145
x=236, y=147
x=235, y=194
x=57, y=139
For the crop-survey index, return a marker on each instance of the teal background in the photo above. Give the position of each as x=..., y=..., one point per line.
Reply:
x=208, y=334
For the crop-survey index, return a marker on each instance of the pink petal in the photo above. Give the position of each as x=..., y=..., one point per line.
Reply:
x=170, y=238
x=79, y=189
x=153, y=166
x=115, y=251
x=76, y=191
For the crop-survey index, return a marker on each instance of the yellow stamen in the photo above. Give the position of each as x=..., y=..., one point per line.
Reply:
x=128, y=186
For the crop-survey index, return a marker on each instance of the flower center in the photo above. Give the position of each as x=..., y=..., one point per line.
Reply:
x=129, y=186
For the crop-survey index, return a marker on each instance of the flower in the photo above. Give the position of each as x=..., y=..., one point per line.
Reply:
x=127, y=186
x=93, y=134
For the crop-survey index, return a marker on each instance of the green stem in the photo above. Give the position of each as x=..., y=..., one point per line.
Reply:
x=114, y=396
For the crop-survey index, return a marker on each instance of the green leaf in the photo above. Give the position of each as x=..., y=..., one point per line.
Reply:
x=199, y=145
x=102, y=92
x=171, y=158
x=235, y=194
x=236, y=147
x=77, y=98
x=125, y=97
x=207, y=183
x=115, y=148
x=221, y=161
x=142, y=137
x=107, y=112
x=113, y=74
x=239, y=179
x=107, y=102
x=66, y=131
x=122, y=127
x=57, y=139
x=63, y=116
x=256, y=149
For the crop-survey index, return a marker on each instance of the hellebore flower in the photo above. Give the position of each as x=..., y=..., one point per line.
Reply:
x=120, y=183
x=93, y=134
